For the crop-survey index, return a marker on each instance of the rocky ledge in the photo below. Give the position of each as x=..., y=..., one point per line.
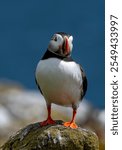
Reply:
x=52, y=137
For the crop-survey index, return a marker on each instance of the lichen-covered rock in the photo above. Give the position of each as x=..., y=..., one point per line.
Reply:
x=52, y=137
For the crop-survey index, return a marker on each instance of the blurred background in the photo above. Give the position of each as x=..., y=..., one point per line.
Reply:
x=25, y=30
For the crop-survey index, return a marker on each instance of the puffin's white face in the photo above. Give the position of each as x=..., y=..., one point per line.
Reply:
x=61, y=44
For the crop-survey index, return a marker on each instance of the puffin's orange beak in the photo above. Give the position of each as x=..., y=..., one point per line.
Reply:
x=66, y=46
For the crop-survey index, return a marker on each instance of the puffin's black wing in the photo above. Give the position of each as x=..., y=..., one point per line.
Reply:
x=38, y=86
x=84, y=84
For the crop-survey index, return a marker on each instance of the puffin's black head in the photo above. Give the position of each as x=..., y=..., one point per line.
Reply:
x=61, y=43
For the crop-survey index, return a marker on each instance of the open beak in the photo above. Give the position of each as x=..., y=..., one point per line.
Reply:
x=66, y=47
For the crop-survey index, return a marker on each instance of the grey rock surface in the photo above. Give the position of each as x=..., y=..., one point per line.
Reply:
x=52, y=137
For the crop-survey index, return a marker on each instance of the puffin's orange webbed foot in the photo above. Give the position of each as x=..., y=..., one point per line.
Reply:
x=47, y=122
x=71, y=125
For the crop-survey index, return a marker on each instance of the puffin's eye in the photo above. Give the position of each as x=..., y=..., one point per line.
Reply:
x=54, y=38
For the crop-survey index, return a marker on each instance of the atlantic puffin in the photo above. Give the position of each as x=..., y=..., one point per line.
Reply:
x=59, y=78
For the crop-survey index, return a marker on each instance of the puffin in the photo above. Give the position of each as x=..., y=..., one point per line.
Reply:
x=59, y=78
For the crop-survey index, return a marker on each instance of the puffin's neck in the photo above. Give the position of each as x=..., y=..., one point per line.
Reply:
x=49, y=54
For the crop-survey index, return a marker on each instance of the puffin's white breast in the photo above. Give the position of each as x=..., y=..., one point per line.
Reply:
x=60, y=81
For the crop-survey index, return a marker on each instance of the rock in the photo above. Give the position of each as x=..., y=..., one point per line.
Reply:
x=52, y=137
x=19, y=107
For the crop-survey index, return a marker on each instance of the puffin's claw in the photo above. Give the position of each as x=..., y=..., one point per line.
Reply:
x=47, y=122
x=71, y=125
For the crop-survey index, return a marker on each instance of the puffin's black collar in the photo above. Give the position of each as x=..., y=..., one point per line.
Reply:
x=50, y=54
